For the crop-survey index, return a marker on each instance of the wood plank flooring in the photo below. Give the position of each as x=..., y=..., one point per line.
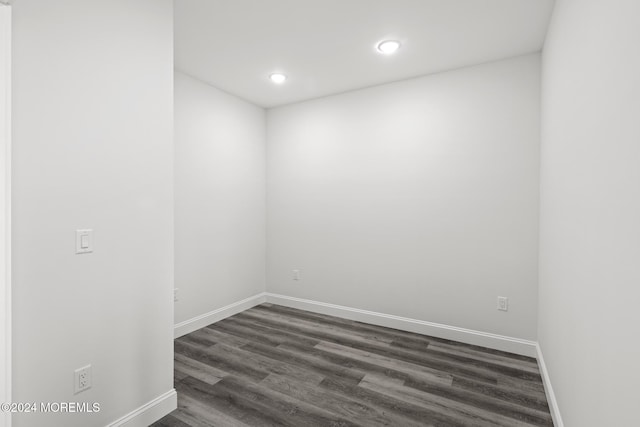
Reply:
x=277, y=366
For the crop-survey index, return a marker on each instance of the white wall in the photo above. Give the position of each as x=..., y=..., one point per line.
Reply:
x=220, y=198
x=5, y=209
x=416, y=198
x=590, y=211
x=92, y=148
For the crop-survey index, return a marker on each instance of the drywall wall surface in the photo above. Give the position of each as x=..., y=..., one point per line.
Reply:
x=417, y=198
x=5, y=210
x=92, y=149
x=590, y=210
x=220, y=198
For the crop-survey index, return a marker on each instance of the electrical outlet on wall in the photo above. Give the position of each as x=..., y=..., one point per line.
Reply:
x=175, y=294
x=503, y=303
x=82, y=379
x=295, y=274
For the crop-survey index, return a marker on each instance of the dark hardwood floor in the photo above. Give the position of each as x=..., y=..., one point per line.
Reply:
x=278, y=366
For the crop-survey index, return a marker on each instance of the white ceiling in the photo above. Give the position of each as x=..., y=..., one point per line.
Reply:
x=328, y=46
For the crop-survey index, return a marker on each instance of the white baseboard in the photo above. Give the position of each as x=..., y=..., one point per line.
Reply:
x=150, y=412
x=548, y=389
x=469, y=336
x=203, y=320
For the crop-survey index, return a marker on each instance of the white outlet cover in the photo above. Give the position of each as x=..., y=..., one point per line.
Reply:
x=503, y=303
x=82, y=379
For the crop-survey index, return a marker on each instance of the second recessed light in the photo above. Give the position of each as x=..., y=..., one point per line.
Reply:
x=278, y=78
x=388, y=46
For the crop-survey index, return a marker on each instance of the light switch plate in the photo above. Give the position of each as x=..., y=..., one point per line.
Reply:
x=84, y=241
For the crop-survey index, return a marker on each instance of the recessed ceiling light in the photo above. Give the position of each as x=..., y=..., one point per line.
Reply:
x=388, y=46
x=278, y=78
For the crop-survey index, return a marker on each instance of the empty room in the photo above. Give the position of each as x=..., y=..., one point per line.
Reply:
x=319, y=213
